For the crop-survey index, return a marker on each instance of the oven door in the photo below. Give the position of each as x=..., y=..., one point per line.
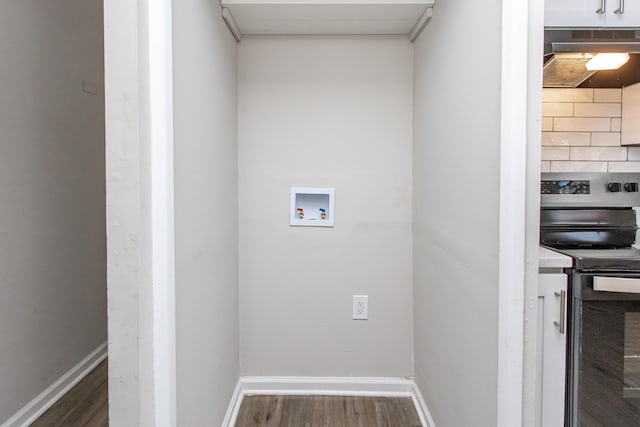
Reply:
x=603, y=372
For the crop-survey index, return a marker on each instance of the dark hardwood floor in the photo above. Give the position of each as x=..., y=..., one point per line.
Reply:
x=86, y=404
x=333, y=411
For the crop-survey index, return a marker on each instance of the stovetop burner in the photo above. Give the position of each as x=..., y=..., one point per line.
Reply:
x=618, y=259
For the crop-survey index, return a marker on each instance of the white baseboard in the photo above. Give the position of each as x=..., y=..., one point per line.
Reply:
x=327, y=386
x=32, y=410
x=234, y=406
x=421, y=407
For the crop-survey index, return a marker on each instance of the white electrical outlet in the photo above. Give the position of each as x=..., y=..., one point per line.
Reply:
x=361, y=307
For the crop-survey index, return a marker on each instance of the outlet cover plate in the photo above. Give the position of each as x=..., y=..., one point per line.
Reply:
x=360, y=307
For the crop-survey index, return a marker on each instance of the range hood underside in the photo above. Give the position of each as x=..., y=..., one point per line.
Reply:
x=562, y=70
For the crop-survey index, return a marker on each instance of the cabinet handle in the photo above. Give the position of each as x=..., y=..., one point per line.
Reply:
x=620, y=10
x=603, y=4
x=563, y=297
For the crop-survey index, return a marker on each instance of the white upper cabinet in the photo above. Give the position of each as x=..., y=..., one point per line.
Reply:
x=621, y=13
x=253, y=17
x=573, y=13
x=592, y=13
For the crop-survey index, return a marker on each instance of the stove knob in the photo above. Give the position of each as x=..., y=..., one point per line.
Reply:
x=631, y=187
x=614, y=187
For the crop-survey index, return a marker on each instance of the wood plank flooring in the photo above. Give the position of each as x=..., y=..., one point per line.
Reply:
x=86, y=404
x=334, y=411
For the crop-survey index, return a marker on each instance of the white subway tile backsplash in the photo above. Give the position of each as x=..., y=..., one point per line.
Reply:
x=597, y=110
x=634, y=154
x=575, y=124
x=585, y=123
x=557, y=109
x=581, y=132
x=578, y=166
x=605, y=139
x=598, y=153
x=555, y=153
x=545, y=166
x=607, y=95
x=567, y=95
x=616, y=124
x=624, y=166
x=565, y=139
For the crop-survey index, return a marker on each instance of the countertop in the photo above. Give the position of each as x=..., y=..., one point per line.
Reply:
x=553, y=259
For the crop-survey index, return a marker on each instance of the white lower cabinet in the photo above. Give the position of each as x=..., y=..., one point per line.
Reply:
x=552, y=339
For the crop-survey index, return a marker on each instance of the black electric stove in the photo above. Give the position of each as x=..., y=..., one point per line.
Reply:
x=591, y=217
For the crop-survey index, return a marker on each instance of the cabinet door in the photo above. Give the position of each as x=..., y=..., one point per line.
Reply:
x=630, y=125
x=551, y=349
x=575, y=13
x=623, y=13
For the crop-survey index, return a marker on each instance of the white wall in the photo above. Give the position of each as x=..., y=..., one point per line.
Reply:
x=52, y=215
x=325, y=112
x=206, y=212
x=129, y=214
x=456, y=164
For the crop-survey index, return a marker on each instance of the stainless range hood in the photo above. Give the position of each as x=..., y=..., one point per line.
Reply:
x=568, y=51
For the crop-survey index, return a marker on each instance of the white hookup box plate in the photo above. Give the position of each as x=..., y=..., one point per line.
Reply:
x=312, y=207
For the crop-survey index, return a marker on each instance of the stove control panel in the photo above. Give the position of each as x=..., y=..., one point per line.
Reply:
x=614, y=187
x=565, y=187
x=590, y=189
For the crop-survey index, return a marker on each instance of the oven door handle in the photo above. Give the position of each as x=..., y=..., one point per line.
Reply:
x=616, y=284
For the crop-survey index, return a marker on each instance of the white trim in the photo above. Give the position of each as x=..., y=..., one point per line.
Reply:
x=534, y=129
x=160, y=105
x=421, y=407
x=234, y=406
x=421, y=24
x=327, y=386
x=231, y=24
x=32, y=410
x=513, y=162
